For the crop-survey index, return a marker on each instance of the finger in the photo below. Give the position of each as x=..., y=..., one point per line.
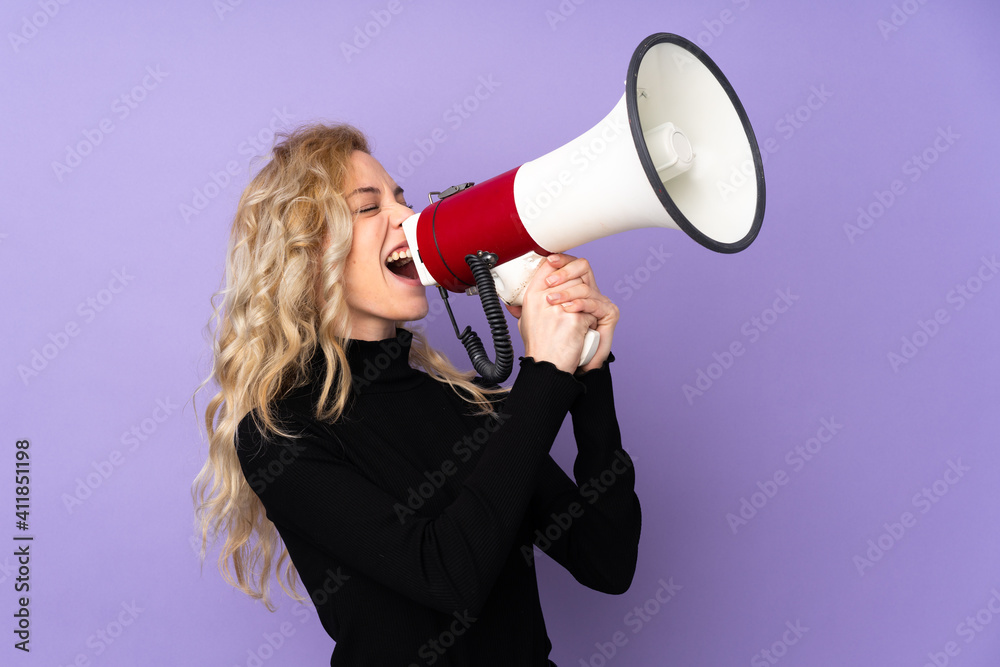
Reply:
x=602, y=308
x=514, y=310
x=578, y=268
x=573, y=289
x=576, y=288
x=538, y=278
x=589, y=319
x=559, y=259
x=556, y=262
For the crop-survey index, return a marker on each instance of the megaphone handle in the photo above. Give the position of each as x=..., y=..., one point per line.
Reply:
x=590, y=344
x=510, y=279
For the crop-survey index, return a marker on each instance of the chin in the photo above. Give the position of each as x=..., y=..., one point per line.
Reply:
x=413, y=312
x=419, y=314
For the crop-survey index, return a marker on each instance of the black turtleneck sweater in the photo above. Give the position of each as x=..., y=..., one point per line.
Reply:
x=411, y=521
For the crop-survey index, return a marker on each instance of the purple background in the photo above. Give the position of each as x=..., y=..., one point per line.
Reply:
x=227, y=72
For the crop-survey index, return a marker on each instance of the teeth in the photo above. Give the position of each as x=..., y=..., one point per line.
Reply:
x=398, y=255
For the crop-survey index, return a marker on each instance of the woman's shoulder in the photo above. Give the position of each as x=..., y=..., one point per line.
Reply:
x=293, y=423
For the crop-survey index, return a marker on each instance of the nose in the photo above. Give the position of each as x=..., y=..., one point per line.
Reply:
x=399, y=214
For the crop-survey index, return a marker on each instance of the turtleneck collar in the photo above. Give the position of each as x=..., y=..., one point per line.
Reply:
x=382, y=365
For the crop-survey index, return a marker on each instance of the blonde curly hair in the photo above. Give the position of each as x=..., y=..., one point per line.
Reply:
x=283, y=297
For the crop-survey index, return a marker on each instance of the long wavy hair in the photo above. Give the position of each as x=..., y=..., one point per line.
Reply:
x=282, y=298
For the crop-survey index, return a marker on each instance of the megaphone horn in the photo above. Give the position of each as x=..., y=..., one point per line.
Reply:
x=661, y=158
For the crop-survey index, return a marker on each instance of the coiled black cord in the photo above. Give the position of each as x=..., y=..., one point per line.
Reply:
x=494, y=373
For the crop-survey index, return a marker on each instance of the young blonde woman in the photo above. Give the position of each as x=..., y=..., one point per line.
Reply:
x=344, y=451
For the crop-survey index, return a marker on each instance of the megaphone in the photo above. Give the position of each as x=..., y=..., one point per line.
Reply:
x=677, y=151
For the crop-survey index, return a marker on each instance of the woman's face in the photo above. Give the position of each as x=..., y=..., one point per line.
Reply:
x=380, y=292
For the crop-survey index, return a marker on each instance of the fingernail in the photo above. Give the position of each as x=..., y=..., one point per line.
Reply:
x=552, y=259
x=552, y=298
x=552, y=280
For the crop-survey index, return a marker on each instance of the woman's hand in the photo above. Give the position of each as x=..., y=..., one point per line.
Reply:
x=560, y=304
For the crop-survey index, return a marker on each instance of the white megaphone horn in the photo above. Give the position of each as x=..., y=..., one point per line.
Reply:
x=665, y=156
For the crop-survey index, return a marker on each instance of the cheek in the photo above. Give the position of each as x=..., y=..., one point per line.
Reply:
x=362, y=276
x=365, y=255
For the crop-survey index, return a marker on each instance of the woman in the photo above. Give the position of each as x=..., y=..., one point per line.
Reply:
x=406, y=500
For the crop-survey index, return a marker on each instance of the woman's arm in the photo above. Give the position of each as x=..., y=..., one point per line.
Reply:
x=591, y=526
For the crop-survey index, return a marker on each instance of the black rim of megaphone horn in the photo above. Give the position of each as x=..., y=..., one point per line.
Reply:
x=647, y=162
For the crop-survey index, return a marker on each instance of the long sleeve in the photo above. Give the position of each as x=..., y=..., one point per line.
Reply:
x=445, y=557
x=591, y=526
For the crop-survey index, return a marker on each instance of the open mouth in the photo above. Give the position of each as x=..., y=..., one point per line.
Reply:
x=401, y=263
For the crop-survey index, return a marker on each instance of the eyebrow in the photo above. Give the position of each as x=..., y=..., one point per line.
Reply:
x=373, y=190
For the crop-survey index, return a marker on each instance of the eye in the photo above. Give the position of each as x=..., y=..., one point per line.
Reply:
x=367, y=209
